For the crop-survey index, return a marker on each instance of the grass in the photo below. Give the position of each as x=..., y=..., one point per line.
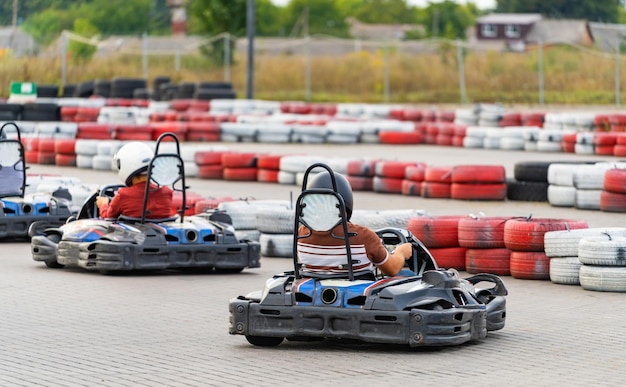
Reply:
x=570, y=76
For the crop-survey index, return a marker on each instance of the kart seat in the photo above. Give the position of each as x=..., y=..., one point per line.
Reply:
x=11, y=179
x=321, y=211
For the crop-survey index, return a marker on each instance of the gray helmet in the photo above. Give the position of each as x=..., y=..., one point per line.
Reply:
x=323, y=180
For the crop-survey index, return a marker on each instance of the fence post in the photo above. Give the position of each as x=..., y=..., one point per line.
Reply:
x=461, y=71
x=307, y=70
x=540, y=65
x=177, y=60
x=250, y=28
x=226, y=57
x=64, y=45
x=145, y=54
x=386, y=73
x=617, y=72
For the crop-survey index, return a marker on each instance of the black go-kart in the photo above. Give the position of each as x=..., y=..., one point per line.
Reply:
x=423, y=306
x=204, y=241
x=18, y=210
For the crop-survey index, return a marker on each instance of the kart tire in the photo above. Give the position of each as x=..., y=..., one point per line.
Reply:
x=212, y=171
x=527, y=191
x=269, y=162
x=416, y=173
x=588, y=199
x=261, y=341
x=483, y=191
x=267, y=175
x=52, y=263
x=400, y=138
x=603, y=278
x=393, y=169
x=438, y=174
x=209, y=157
x=536, y=171
x=561, y=196
x=239, y=160
x=565, y=270
x=365, y=168
x=436, y=190
x=449, y=257
x=240, y=173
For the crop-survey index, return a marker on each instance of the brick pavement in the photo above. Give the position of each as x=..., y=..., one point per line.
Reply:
x=74, y=328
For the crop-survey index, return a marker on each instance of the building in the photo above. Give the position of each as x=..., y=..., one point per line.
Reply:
x=14, y=41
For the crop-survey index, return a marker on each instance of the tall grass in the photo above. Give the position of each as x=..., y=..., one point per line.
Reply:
x=570, y=76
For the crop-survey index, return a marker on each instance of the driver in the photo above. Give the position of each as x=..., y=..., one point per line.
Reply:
x=324, y=254
x=132, y=161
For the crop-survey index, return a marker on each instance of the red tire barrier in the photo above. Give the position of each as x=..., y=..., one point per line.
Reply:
x=411, y=188
x=240, y=174
x=361, y=168
x=65, y=160
x=393, y=169
x=478, y=174
x=31, y=144
x=449, y=257
x=478, y=191
x=66, y=146
x=441, y=231
x=205, y=204
x=132, y=132
x=269, y=161
x=494, y=261
x=612, y=202
x=527, y=234
x=482, y=233
x=436, y=190
x=438, y=174
x=214, y=171
x=31, y=157
x=615, y=180
x=387, y=184
x=46, y=145
x=94, y=131
x=46, y=158
x=267, y=175
x=401, y=138
x=239, y=160
x=361, y=183
x=415, y=173
x=209, y=157
x=530, y=265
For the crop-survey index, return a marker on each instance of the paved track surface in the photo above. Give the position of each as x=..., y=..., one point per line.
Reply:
x=74, y=328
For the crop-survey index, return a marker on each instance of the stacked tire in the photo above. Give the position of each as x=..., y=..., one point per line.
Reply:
x=603, y=264
x=437, y=182
x=390, y=175
x=483, y=238
x=530, y=182
x=525, y=238
x=478, y=182
x=360, y=174
x=440, y=235
x=613, y=195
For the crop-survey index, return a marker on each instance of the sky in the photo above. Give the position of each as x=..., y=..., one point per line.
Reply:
x=482, y=4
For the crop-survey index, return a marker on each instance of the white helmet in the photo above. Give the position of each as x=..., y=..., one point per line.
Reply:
x=132, y=159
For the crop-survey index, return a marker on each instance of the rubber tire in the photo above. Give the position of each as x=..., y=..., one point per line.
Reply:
x=261, y=341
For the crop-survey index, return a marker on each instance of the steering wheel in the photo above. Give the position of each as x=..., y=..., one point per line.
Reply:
x=421, y=260
x=90, y=210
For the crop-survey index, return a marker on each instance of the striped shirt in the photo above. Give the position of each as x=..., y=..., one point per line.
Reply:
x=322, y=254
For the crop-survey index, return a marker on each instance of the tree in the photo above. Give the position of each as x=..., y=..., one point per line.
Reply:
x=316, y=17
x=447, y=19
x=606, y=11
x=384, y=11
x=82, y=51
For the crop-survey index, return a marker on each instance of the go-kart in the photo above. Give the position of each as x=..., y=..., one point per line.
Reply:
x=423, y=306
x=205, y=241
x=18, y=210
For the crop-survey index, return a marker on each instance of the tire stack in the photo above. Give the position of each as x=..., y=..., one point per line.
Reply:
x=210, y=164
x=10, y=111
x=85, y=150
x=214, y=90
x=413, y=179
x=474, y=137
x=276, y=226
x=437, y=182
x=613, y=195
x=440, y=234
x=603, y=266
x=589, y=184
x=46, y=154
x=525, y=238
x=483, y=237
x=65, y=149
x=478, y=182
x=243, y=214
x=561, y=248
x=240, y=166
x=549, y=140
x=530, y=182
x=125, y=87
x=360, y=174
x=390, y=176
x=103, y=160
x=561, y=190
x=268, y=168
x=604, y=143
x=292, y=166
x=620, y=145
x=584, y=143
x=41, y=112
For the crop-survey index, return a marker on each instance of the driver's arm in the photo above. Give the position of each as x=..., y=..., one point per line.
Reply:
x=395, y=261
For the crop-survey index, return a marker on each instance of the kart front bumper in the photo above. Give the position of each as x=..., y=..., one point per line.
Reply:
x=414, y=327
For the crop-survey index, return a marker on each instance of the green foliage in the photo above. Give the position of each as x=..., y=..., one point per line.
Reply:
x=46, y=26
x=316, y=17
x=605, y=11
x=81, y=52
x=447, y=19
x=383, y=11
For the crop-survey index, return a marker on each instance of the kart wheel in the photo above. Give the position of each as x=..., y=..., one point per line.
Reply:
x=54, y=264
x=261, y=341
x=229, y=270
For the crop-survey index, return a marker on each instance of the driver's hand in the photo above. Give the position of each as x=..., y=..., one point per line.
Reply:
x=405, y=250
x=102, y=200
